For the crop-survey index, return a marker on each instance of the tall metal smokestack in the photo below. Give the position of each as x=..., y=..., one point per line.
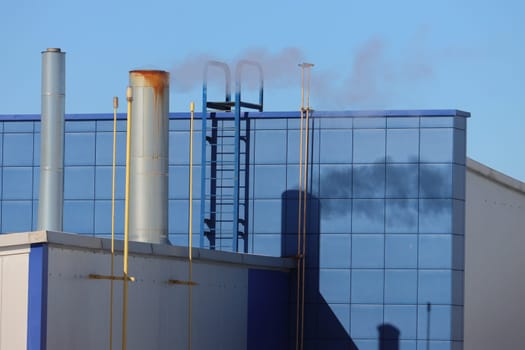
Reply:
x=148, y=206
x=51, y=198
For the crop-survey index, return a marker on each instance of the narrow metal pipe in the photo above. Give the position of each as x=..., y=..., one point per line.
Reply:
x=111, y=292
x=299, y=221
x=306, y=66
x=302, y=217
x=51, y=193
x=190, y=229
x=129, y=97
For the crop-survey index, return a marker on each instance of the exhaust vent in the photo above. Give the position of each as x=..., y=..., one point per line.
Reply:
x=51, y=197
x=148, y=199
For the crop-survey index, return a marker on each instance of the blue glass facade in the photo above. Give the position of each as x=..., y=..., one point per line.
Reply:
x=386, y=211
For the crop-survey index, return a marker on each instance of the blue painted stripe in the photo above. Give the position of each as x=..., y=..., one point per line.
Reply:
x=37, y=298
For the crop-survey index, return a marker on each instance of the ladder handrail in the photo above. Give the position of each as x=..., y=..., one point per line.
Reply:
x=238, y=79
x=227, y=87
x=238, y=104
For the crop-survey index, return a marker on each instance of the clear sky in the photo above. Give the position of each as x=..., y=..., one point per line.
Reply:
x=451, y=54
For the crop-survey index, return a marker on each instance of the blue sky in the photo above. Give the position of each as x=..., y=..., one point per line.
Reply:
x=466, y=55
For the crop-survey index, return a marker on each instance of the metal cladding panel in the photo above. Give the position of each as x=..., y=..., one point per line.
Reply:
x=14, y=268
x=51, y=199
x=149, y=157
x=494, y=260
x=78, y=307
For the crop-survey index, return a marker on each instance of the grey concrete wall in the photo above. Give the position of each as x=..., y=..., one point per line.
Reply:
x=14, y=269
x=495, y=260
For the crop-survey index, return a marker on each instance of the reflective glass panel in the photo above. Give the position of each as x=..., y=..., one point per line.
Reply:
x=18, y=126
x=335, y=251
x=402, y=122
x=402, y=145
x=436, y=145
x=402, y=180
x=435, y=216
x=368, y=251
x=78, y=216
x=369, y=146
x=103, y=183
x=435, y=181
x=369, y=181
x=401, y=286
x=401, y=215
x=368, y=216
x=267, y=216
x=17, y=183
x=401, y=251
x=335, y=181
x=336, y=146
x=367, y=286
x=364, y=321
x=18, y=149
x=79, y=183
x=370, y=122
x=335, y=215
x=80, y=149
x=270, y=147
x=270, y=181
x=79, y=126
x=16, y=216
x=404, y=318
x=334, y=285
x=104, y=145
x=435, y=286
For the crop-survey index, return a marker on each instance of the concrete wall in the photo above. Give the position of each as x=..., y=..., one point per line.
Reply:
x=495, y=260
x=14, y=268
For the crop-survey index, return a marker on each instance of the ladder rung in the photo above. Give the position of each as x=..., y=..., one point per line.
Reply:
x=251, y=105
x=222, y=106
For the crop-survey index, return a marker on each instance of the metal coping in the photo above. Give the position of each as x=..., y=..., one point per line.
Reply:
x=78, y=241
x=495, y=176
x=263, y=115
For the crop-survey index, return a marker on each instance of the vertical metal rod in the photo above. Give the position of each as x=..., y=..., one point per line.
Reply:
x=299, y=213
x=305, y=174
x=111, y=291
x=236, y=165
x=203, y=157
x=304, y=193
x=190, y=228
x=129, y=97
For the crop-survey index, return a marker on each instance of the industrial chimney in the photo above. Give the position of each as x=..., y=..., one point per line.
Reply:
x=51, y=198
x=148, y=199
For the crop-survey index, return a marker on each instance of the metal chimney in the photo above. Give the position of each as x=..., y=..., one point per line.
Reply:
x=51, y=198
x=148, y=200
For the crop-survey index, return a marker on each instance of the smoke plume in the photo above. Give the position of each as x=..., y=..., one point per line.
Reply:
x=374, y=73
x=279, y=68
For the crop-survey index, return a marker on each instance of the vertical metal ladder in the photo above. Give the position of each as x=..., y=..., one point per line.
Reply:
x=224, y=214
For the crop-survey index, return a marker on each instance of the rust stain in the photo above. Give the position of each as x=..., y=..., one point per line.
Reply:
x=157, y=79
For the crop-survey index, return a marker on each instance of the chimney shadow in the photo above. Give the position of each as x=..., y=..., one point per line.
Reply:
x=388, y=337
x=322, y=328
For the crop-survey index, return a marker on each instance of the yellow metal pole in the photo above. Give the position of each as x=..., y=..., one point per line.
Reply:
x=190, y=228
x=299, y=213
x=115, y=107
x=129, y=97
